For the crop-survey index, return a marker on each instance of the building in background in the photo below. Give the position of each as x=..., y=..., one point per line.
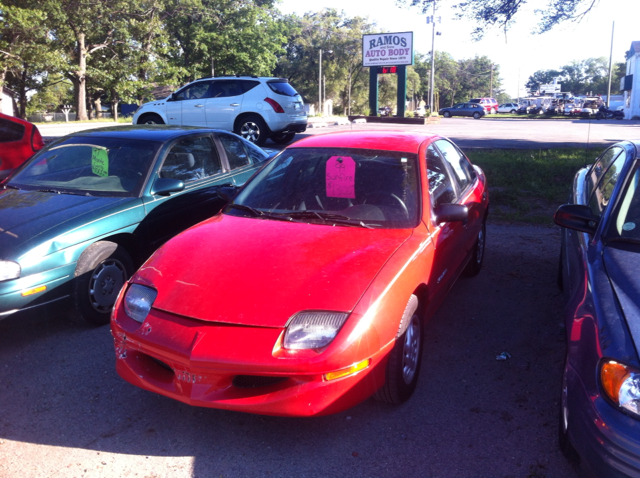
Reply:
x=8, y=102
x=630, y=83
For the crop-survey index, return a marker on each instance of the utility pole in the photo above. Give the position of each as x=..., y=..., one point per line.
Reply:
x=610, y=70
x=433, y=55
x=433, y=19
x=320, y=84
x=491, y=83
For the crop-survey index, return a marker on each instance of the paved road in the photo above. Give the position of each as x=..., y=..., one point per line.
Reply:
x=484, y=133
x=65, y=413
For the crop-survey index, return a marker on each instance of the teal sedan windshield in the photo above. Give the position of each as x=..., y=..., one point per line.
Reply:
x=337, y=186
x=94, y=166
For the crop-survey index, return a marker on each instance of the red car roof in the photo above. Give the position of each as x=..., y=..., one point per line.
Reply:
x=384, y=140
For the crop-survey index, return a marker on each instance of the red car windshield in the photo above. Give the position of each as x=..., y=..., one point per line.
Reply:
x=369, y=188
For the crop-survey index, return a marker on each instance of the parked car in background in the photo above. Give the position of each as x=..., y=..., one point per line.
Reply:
x=255, y=108
x=590, y=107
x=599, y=263
x=86, y=211
x=490, y=105
x=361, y=235
x=508, y=108
x=419, y=112
x=463, y=109
x=19, y=140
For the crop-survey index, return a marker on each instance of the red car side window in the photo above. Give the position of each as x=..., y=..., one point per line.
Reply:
x=440, y=186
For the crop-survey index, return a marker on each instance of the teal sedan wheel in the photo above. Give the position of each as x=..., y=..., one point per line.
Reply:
x=102, y=270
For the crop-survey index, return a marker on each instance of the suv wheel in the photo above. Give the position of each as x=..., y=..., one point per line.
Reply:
x=150, y=118
x=252, y=128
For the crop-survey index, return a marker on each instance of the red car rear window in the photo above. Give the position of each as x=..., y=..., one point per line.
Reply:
x=10, y=131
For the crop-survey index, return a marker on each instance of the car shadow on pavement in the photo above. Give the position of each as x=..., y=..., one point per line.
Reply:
x=64, y=410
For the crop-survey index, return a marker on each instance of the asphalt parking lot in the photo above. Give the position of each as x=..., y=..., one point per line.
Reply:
x=64, y=412
x=507, y=133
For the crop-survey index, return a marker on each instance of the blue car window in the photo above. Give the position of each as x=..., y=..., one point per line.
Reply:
x=191, y=159
x=90, y=165
x=236, y=154
x=627, y=218
x=601, y=195
x=600, y=167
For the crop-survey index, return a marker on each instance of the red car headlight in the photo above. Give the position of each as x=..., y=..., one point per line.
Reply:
x=313, y=329
x=138, y=301
x=621, y=385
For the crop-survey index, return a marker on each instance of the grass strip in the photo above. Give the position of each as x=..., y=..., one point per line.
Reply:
x=528, y=185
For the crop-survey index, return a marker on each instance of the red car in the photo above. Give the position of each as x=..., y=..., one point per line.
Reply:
x=490, y=105
x=19, y=139
x=312, y=290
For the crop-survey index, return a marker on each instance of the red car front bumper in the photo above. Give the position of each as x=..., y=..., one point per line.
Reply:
x=235, y=367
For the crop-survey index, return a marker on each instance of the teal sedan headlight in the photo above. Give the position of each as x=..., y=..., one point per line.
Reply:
x=9, y=270
x=313, y=329
x=138, y=301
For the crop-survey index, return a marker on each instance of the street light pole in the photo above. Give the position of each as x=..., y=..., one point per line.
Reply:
x=610, y=70
x=432, y=20
x=320, y=84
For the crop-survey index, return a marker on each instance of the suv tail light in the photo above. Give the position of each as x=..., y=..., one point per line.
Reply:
x=275, y=105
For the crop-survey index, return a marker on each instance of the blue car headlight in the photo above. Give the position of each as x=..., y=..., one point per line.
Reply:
x=313, y=329
x=621, y=385
x=9, y=270
x=138, y=301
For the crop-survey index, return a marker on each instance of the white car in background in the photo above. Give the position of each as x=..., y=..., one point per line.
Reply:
x=256, y=108
x=508, y=108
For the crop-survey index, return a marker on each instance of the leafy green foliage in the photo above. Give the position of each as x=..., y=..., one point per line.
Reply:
x=502, y=13
x=580, y=77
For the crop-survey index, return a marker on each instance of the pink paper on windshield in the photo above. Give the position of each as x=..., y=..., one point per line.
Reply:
x=341, y=177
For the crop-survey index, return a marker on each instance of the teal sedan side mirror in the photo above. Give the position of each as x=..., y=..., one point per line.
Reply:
x=166, y=186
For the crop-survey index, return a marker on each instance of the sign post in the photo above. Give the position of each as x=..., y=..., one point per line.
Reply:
x=393, y=50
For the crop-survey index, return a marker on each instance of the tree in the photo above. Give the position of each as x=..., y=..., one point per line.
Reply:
x=340, y=39
x=227, y=37
x=542, y=77
x=24, y=48
x=580, y=77
x=502, y=13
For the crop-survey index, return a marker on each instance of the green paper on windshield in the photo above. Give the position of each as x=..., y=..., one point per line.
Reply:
x=99, y=162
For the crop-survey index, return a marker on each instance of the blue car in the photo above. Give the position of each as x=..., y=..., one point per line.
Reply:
x=599, y=273
x=85, y=212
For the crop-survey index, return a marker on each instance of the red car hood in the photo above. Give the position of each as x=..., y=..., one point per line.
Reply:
x=261, y=272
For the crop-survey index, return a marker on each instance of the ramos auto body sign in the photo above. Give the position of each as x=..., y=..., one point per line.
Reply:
x=383, y=49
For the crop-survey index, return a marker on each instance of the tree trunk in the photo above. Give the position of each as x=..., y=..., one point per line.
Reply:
x=114, y=110
x=3, y=74
x=80, y=83
x=22, y=96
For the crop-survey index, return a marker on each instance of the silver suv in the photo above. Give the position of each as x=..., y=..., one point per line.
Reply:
x=255, y=108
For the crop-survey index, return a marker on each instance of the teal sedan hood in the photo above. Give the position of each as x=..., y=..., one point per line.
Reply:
x=26, y=216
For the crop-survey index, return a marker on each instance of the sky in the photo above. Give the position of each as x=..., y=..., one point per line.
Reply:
x=521, y=52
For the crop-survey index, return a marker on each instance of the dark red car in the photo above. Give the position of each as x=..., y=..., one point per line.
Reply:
x=312, y=290
x=19, y=139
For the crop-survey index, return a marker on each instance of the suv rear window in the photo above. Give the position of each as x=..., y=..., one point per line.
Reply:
x=282, y=87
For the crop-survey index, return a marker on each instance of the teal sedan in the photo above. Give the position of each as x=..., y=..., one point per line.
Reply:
x=79, y=218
